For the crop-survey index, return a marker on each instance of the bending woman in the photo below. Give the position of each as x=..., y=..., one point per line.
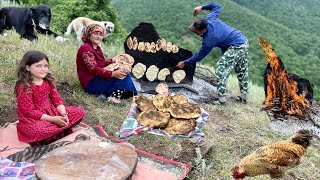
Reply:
x=91, y=73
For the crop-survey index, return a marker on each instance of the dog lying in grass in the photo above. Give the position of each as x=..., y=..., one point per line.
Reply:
x=27, y=21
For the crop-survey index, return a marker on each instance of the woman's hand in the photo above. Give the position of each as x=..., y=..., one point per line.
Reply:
x=65, y=116
x=59, y=120
x=197, y=10
x=119, y=74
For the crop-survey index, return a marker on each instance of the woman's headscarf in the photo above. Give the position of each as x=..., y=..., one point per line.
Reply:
x=91, y=29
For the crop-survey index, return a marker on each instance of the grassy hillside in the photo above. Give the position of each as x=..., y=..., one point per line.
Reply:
x=298, y=50
x=233, y=131
x=295, y=14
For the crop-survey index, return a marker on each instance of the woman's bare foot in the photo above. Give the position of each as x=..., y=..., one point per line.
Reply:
x=114, y=100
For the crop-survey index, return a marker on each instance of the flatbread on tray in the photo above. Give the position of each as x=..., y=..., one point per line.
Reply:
x=144, y=103
x=185, y=111
x=180, y=126
x=154, y=119
x=179, y=99
x=162, y=102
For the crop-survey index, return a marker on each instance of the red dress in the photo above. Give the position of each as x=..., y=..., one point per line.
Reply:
x=32, y=104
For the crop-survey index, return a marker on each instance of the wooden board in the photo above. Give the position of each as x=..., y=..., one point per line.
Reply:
x=88, y=160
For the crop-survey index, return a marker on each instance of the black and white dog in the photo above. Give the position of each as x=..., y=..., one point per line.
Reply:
x=27, y=21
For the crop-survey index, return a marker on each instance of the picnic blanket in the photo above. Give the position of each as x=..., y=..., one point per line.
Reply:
x=149, y=165
x=131, y=126
x=16, y=170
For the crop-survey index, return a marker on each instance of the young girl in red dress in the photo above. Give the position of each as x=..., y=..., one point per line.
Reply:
x=43, y=117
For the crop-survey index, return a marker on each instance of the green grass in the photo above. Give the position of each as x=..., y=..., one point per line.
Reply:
x=234, y=130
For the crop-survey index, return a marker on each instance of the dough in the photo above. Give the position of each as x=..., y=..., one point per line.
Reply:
x=162, y=88
x=163, y=44
x=134, y=43
x=152, y=73
x=158, y=44
x=112, y=67
x=147, y=47
x=169, y=47
x=141, y=46
x=175, y=48
x=129, y=43
x=163, y=73
x=138, y=70
x=178, y=76
x=153, y=48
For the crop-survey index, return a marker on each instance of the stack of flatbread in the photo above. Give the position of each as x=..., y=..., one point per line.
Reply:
x=173, y=114
x=121, y=61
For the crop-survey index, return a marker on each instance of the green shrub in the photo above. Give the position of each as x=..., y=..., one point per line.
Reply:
x=63, y=12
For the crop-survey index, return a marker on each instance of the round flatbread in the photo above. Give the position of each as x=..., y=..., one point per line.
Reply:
x=178, y=76
x=152, y=73
x=162, y=102
x=80, y=159
x=153, y=47
x=169, y=47
x=123, y=59
x=185, y=111
x=144, y=103
x=147, y=47
x=138, y=70
x=134, y=43
x=163, y=73
x=154, y=119
x=158, y=44
x=112, y=67
x=163, y=44
x=180, y=126
x=180, y=99
x=162, y=88
x=141, y=46
x=175, y=48
x=129, y=43
x=126, y=68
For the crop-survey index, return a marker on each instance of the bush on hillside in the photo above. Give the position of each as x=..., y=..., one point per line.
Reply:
x=63, y=12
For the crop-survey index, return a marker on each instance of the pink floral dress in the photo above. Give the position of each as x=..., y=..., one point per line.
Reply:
x=32, y=104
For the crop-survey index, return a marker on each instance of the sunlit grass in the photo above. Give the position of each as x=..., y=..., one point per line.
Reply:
x=234, y=130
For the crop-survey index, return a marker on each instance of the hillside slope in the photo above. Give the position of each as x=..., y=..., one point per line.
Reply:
x=295, y=14
x=298, y=50
x=234, y=130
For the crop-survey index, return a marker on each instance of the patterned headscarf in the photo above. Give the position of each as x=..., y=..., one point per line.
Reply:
x=91, y=29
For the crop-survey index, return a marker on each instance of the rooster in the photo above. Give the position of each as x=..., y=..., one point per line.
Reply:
x=274, y=159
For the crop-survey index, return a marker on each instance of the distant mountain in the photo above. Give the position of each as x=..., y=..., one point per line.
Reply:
x=297, y=49
x=295, y=14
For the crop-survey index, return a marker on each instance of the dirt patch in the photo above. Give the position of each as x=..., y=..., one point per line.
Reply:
x=181, y=151
x=8, y=114
x=65, y=92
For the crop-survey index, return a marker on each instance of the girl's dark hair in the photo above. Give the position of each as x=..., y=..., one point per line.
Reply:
x=24, y=76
